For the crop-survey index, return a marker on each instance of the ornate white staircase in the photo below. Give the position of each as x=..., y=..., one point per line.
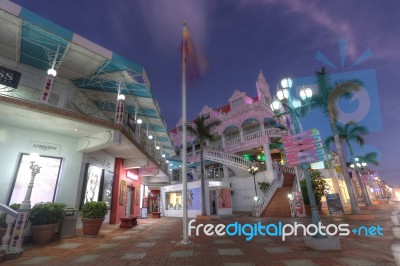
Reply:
x=263, y=201
x=236, y=162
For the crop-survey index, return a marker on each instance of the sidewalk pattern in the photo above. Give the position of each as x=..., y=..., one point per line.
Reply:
x=157, y=242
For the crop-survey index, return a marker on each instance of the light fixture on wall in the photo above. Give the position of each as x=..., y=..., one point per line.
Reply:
x=51, y=71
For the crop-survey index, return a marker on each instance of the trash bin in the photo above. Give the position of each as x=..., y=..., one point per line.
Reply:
x=68, y=223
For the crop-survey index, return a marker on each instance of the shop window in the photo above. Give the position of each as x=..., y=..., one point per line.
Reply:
x=176, y=174
x=45, y=183
x=174, y=201
x=92, y=183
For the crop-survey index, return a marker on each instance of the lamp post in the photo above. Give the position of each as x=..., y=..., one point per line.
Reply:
x=287, y=104
x=356, y=166
x=35, y=169
x=253, y=170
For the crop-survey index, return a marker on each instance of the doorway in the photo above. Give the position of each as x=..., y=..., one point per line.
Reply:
x=213, y=202
x=129, y=200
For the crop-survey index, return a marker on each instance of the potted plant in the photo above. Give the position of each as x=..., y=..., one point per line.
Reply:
x=319, y=186
x=93, y=214
x=263, y=186
x=44, y=218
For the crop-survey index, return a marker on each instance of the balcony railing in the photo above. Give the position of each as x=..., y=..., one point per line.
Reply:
x=252, y=136
x=273, y=132
x=232, y=142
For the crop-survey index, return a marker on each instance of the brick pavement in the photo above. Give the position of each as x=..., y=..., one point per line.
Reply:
x=157, y=242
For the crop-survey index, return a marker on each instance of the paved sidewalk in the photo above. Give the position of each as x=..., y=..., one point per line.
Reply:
x=157, y=242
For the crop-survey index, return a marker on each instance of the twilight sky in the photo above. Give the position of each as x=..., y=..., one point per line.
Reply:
x=240, y=38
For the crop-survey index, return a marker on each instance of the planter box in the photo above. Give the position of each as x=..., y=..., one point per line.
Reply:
x=43, y=234
x=91, y=227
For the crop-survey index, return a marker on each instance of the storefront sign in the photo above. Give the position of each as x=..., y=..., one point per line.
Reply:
x=214, y=183
x=334, y=203
x=9, y=77
x=44, y=148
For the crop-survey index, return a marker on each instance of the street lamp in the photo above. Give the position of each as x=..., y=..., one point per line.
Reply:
x=35, y=169
x=356, y=166
x=290, y=106
x=253, y=170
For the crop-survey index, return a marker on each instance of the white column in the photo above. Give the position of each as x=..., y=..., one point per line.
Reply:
x=267, y=154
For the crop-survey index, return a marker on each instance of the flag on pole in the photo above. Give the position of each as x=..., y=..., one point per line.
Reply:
x=195, y=62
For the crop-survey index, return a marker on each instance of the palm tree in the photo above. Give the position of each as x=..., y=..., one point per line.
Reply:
x=371, y=157
x=349, y=132
x=327, y=100
x=202, y=131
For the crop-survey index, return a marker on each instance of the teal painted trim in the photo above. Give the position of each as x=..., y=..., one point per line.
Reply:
x=46, y=24
x=125, y=62
x=158, y=128
x=163, y=139
x=110, y=107
x=110, y=86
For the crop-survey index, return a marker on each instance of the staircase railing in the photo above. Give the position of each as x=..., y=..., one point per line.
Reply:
x=227, y=158
x=263, y=202
x=11, y=215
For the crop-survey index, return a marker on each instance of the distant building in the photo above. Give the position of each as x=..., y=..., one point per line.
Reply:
x=248, y=135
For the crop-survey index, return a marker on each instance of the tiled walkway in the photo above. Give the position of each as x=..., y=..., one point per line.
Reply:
x=157, y=242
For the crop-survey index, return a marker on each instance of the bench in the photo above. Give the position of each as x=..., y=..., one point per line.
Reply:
x=128, y=222
x=155, y=215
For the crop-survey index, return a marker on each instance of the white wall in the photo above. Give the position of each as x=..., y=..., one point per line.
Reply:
x=243, y=190
x=14, y=141
x=179, y=188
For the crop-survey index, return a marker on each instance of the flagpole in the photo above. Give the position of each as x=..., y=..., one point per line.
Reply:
x=184, y=148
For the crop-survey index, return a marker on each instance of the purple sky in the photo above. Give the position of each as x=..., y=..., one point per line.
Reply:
x=238, y=38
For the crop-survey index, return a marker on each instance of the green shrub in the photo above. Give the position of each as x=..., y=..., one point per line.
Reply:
x=263, y=186
x=3, y=223
x=94, y=210
x=319, y=186
x=15, y=206
x=46, y=213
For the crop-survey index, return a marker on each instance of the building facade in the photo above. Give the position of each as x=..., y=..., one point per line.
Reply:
x=249, y=134
x=87, y=112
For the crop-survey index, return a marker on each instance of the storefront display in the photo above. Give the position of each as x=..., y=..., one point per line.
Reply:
x=45, y=182
x=93, y=179
x=174, y=201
